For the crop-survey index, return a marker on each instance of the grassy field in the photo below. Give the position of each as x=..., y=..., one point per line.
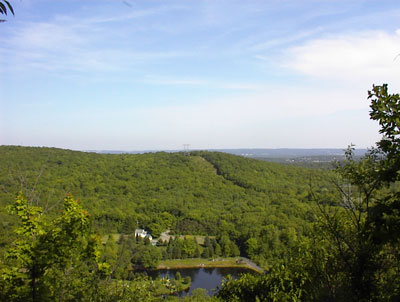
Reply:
x=199, y=262
x=114, y=236
x=192, y=262
x=199, y=239
x=117, y=236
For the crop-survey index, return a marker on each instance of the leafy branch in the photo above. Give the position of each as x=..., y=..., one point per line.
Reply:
x=5, y=7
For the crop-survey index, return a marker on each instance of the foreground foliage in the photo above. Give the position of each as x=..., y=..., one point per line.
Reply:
x=5, y=8
x=55, y=260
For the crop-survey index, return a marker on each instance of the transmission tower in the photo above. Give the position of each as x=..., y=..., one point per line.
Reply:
x=186, y=149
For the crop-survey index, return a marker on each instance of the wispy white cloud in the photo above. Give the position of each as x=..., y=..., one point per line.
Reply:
x=124, y=17
x=354, y=57
x=133, y=12
x=293, y=37
x=64, y=46
x=170, y=80
x=47, y=36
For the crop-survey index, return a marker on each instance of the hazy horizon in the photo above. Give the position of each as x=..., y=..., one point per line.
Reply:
x=154, y=75
x=192, y=149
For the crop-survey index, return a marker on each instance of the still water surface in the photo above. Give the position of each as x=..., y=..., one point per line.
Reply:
x=207, y=278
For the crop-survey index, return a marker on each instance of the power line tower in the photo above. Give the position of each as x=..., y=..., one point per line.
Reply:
x=186, y=149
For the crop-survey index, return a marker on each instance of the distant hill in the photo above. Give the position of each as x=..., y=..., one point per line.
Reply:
x=289, y=152
x=310, y=158
x=256, y=152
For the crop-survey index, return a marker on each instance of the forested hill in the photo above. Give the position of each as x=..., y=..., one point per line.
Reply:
x=197, y=193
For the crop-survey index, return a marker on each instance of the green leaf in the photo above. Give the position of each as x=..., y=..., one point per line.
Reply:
x=9, y=6
x=3, y=9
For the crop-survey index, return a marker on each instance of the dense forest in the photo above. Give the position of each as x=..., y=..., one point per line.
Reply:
x=201, y=193
x=320, y=235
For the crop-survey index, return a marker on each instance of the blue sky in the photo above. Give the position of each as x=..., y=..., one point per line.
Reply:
x=144, y=74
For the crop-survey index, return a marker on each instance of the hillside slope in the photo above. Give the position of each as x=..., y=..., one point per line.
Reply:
x=201, y=193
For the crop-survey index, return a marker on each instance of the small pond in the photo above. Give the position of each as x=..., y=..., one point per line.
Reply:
x=207, y=278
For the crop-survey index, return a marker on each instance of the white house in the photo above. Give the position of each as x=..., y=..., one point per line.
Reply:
x=143, y=234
